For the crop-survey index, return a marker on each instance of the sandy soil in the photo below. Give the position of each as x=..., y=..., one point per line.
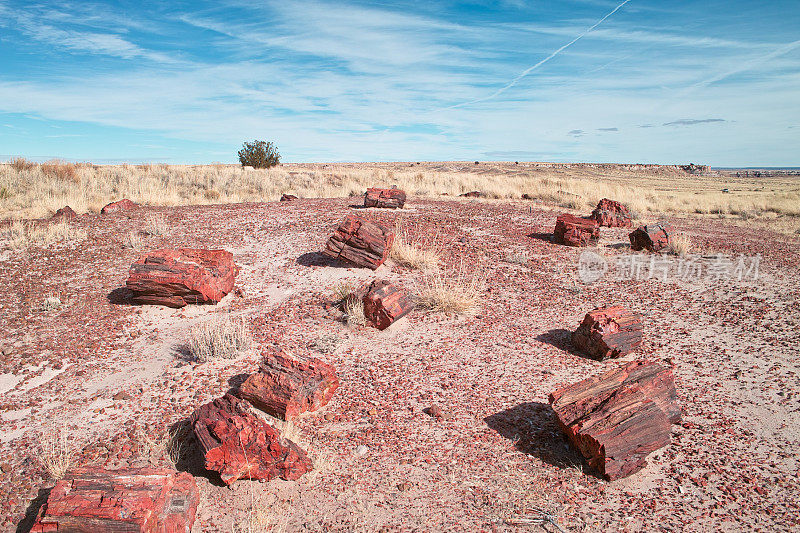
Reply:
x=732, y=465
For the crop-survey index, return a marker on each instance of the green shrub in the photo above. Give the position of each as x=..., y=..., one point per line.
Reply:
x=259, y=154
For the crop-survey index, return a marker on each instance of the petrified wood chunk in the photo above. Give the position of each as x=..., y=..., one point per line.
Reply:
x=176, y=277
x=576, y=231
x=238, y=444
x=390, y=198
x=121, y=205
x=361, y=242
x=608, y=332
x=616, y=419
x=287, y=385
x=384, y=303
x=65, y=213
x=471, y=194
x=288, y=197
x=653, y=237
x=151, y=500
x=612, y=214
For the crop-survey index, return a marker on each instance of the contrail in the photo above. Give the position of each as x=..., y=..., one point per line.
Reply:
x=785, y=49
x=527, y=71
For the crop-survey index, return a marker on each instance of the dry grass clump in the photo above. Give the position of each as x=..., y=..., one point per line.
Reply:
x=168, y=446
x=22, y=233
x=422, y=257
x=20, y=163
x=354, y=312
x=57, y=453
x=457, y=291
x=680, y=244
x=155, y=225
x=133, y=240
x=60, y=170
x=220, y=338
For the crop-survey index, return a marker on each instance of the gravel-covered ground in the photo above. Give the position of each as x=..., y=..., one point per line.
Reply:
x=105, y=373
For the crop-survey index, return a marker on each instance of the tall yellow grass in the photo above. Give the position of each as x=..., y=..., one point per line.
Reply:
x=34, y=191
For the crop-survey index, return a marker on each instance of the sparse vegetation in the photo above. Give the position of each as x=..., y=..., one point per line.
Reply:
x=423, y=256
x=680, y=244
x=60, y=170
x=455, y=291
x=168, y=446
x=50, y=303
x=155, y=225
x=648, y=192
x=259, y=154
x=325, y=343
x=57, y=453
x=515, y=258
x=20, y=234
x=220, y=338
x=132, y=240
x=20, y=163
x=354, y=312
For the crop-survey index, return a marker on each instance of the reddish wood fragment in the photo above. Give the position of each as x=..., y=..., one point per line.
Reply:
x=608, y=332
x=361, y=242
x=576, y=231
x=388, y=198
x=121, y=205
x=612, y=214
x=653, y=237
x=176, y=277
x=384, y=303
x=287, y=385
x=146, y=500
x=238, y=444
x=617, y=418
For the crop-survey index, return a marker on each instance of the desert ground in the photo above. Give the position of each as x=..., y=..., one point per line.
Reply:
x=88, y=379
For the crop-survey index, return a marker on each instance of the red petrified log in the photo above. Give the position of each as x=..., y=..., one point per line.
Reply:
x=176, y=277
x=653, y=237
x=384, y=303
x=390, y=198
x=576, y=231
x=616, y=419
x=360, y=242
x=238, y=444
x=288, y=197
x=287, y=385
x=121, y=205
x=65, y=213
x=612, y=214
x=145, y=500
x=608, y=332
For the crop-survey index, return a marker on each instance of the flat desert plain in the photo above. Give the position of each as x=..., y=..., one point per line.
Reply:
x=88, y=379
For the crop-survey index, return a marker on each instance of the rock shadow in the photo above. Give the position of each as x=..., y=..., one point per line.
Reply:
x=189, y=453
x=620, y=246
x=562, y=339
x=311, y=259
x=534, y=428
x=547, y=237
x=33, y=509
x=121, y=296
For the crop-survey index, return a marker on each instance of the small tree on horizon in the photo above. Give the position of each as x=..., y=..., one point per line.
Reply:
x=259, y=154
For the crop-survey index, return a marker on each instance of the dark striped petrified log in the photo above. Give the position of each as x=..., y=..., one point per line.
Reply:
x=618, y=418
x=576, y=231
x=287, y=385
x=360, y=242
x=653, y=237
x=608, y=332
x=388, y=198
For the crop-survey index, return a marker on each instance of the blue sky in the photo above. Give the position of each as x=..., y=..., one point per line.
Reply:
x=714, y=82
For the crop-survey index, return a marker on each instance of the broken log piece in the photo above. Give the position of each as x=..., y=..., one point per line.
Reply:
x=612, y=214
x=177, y=277
x=65, y=213
x=653, y=237
x=120, y=205
x=146, y=500
x=288, y=197
x=238, y=444
x=608, y=332
x=287, y=385
x=361, y=242
x=576, y=231
x=384, y=303
x=618, y=418
x=387, y=198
